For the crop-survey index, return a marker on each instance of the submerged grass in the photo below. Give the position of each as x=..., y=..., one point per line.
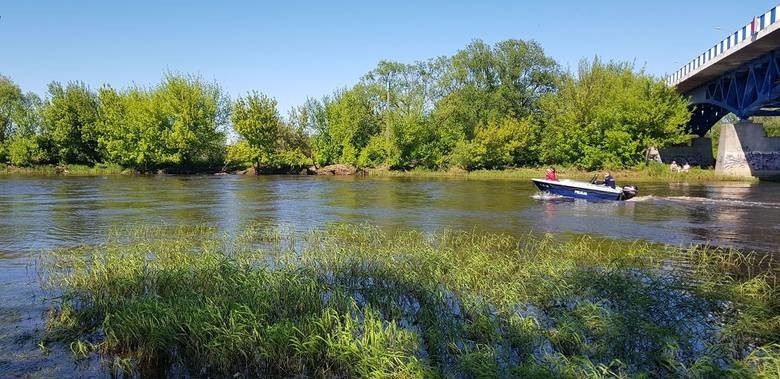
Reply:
x=358, y=301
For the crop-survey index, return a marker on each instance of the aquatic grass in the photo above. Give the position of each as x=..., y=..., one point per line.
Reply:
x=355, y=300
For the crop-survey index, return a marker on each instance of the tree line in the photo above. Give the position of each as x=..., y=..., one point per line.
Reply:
x=487, y=106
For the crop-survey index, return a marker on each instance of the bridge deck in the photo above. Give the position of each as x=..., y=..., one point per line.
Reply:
x=758, y=37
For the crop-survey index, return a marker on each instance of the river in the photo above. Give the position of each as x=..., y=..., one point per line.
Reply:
x=40, y=214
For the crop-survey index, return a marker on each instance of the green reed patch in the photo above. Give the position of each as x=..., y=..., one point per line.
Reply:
x=357, y=301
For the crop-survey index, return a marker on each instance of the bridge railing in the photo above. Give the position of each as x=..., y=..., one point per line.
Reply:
x=739, y=38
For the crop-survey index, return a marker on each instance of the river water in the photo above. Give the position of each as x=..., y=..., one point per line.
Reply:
x=40, y=214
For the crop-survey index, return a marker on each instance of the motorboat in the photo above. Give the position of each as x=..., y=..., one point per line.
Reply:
x=585, y=190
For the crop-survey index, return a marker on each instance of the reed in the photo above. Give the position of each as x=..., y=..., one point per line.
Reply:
x=354, y=300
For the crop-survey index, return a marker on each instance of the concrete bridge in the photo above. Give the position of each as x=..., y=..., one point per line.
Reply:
x=741, y=75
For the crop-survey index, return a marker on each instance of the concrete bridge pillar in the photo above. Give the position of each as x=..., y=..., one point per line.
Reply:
x=745, y=150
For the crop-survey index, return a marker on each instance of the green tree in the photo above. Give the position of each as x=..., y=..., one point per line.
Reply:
x=295, y=135
x=352, y=121
x=20, y=123
x=197, y=113
x=19, y=113
x=70, y=117
x=11, y=104
x=133, y=129
x=324, y=150
x=771, y=124
x=487, y=84
x=608, y=115
x=256, y=119
x=497, y=145
x=178, y=124
x=406, y=94
x=24, y=150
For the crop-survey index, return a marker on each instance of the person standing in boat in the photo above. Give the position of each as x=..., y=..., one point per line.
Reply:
x=551, y=174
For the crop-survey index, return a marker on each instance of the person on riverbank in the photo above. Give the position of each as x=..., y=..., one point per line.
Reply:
x=674, y=167
x=686, y=167
x=551, y=174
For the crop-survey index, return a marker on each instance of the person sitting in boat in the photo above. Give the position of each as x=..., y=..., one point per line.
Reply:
x=551, y=174
x=608, y=181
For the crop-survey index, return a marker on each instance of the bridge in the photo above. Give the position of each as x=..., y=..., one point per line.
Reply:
x=741, y=75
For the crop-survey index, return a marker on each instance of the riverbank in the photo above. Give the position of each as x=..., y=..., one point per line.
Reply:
x=66, y=170
x=653, y=173
x=355, y=301
x=656, y=173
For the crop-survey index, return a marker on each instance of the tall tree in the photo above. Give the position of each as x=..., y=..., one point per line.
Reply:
x=352, y=121
x=70, y=116
x=256, y=119
x=19, y=112
x=197, y=112
x=133, y=129
x=608, y=115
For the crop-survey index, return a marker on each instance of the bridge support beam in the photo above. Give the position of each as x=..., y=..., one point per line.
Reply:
x=745, y=150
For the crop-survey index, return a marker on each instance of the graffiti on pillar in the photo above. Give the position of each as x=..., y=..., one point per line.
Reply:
x=753, y=160
x=733, y=162
x=765, y=161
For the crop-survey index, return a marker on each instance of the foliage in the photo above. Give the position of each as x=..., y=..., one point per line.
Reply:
x=19, y=113
x=417, y=115
x=497, y=145
x=70, y=117
x=239, y=155
x=487, y=106
x=197, y=114
x=24, y=151
x=357, y=301
x=380, y=151
x=266, y=139
x=771, y=124
x=132, y=129
x=352, y=121
x=176, y=124
x=10, y=102
x=608, y=115
x=256, y=119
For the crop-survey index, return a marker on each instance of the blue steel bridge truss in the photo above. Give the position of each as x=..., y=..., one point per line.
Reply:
x=752, y=89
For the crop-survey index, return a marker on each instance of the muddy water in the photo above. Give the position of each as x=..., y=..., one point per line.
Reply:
x=39, y=214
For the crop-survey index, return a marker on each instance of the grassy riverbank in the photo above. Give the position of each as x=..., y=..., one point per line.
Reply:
x=355, y=301
x=653, y=173
x=67, y=170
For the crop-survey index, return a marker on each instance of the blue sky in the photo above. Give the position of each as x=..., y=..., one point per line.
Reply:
x=294, y=49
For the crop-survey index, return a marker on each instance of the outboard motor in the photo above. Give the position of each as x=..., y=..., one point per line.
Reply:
x=629, y=192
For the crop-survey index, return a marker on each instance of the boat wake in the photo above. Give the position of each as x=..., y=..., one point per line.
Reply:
x=547, y=196
x=732, y=202
x=726, y=202
x=639, y=199
x=688, y=200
